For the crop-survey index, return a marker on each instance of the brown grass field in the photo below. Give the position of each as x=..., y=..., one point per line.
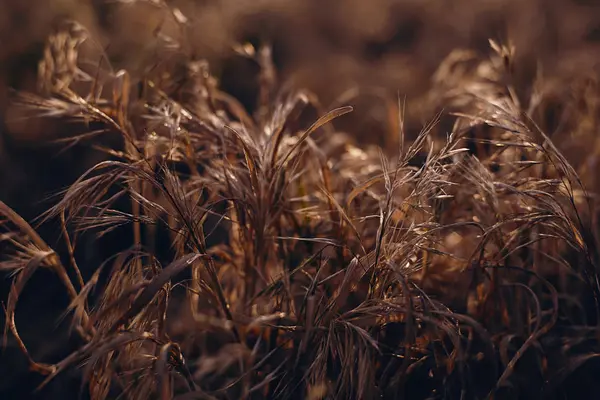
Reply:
x=286, y=199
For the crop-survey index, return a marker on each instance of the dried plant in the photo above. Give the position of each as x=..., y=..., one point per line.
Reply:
x=269, y=258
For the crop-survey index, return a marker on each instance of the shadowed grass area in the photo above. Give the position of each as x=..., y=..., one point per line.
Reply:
x=263, y=254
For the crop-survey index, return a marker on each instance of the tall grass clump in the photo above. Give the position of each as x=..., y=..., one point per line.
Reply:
x=267, y=257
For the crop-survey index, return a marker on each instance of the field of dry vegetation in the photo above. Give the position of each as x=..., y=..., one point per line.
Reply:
x=286, y=199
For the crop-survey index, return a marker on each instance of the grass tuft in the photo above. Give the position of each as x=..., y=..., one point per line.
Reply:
x=267, y=257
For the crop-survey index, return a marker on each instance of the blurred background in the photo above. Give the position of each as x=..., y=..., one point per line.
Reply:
x=376, y=48
x=365, y=53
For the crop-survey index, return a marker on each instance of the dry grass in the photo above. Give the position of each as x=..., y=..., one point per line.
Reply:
x=268, y=257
